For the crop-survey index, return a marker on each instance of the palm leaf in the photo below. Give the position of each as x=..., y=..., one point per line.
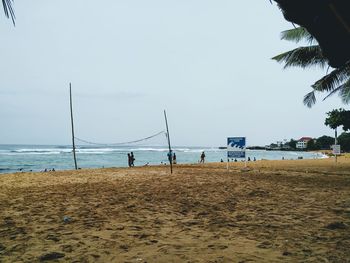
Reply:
x=8, y=9
x=332, y=93
x=309, y=99
x=332, y=80
x=303, y=57
x=344, y=92
x=298, y=34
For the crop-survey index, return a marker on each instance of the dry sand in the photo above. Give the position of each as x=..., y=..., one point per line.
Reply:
x=279, y=211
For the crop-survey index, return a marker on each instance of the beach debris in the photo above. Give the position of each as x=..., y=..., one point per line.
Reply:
x=51, y=256
x=67, y=219
x=336, y=225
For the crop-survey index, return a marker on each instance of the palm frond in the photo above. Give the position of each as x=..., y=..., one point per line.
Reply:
x=8, y=9
x=298, y=34
x=303, y=57
x=334, y=79
x=309, y=99
x=344, y=92
x=332, y=93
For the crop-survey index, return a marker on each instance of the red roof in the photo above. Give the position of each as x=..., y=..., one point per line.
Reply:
x=305, y=139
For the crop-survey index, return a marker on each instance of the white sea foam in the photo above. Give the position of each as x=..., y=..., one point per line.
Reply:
x=40, y=150
x=29, y=153
x=149, y=149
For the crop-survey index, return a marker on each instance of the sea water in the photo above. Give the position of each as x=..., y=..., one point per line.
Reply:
x=14, y=158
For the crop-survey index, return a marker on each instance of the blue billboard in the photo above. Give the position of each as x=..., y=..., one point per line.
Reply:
x=236, y=147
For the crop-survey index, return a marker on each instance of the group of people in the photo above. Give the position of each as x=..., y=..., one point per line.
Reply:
x=131, y=159
x=235, y=160
x=172, y=158
x=49, y=170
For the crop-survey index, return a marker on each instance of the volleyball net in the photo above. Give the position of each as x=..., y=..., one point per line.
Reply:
x=126, y=143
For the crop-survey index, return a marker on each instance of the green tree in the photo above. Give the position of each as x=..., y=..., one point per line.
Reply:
x=344, y=141
x=292, y=144
x=324, y=142
x=337, y=118
x=310, y=146
x=337, y=81
x=8, y=9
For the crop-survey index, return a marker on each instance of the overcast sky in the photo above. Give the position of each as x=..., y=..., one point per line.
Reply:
x=208, y=63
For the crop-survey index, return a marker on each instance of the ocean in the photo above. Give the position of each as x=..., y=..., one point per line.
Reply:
x=15, y=158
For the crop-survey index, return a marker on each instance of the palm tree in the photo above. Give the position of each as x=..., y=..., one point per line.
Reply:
x=337, y=81
x=8, y=9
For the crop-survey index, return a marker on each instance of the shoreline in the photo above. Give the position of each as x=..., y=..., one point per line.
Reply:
x=38, y=160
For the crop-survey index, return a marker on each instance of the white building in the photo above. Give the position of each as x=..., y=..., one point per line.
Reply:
x=302, y=142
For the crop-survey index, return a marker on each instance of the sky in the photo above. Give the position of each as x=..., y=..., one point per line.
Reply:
x=207, y=63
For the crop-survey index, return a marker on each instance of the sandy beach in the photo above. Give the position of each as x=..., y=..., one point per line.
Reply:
x=277, y=211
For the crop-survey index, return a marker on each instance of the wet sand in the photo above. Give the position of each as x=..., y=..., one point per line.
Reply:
x=277, y=211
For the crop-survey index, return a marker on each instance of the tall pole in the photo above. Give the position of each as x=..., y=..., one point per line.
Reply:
x=71, y=118
x=336, y=142
x=168, y=136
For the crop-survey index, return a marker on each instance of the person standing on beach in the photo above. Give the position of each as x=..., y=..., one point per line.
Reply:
x=129, y=160
x=174, y=158
x=132, y=159
x=169, y=156
x=202, y=157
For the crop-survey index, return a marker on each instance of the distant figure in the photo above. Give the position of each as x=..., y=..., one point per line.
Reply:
x=132, y=159
x=174, y=158
x=53, y=169
x=221, y=161
x=169, y=155
x=235, y=160
x=282, y=157
x=248, y=159
x=202, y=157
x=129, y=160
x=254, y=159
